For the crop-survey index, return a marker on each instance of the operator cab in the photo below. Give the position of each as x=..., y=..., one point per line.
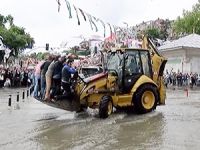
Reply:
x=129, y=65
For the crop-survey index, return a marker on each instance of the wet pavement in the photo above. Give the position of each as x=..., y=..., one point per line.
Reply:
x=29, y=125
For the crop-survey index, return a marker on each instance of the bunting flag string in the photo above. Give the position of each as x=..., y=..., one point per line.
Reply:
x=69, y=8
x=83, y=14
x=77, y=15
x=110, y=29
x=115, y=29
x=89, y=21
x=115, y=33
x=59, y=4
x=93, y=20
x=104, y=27
x=96, y=29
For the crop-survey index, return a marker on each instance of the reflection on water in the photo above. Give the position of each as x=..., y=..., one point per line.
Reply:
x=33, y=125
x=118, y=132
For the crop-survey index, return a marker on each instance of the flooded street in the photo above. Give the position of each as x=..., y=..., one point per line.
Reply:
x=32, y=125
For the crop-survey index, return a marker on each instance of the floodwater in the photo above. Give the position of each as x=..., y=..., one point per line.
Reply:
x=31, y=125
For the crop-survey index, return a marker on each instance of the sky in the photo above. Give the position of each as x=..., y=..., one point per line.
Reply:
x=45, y=24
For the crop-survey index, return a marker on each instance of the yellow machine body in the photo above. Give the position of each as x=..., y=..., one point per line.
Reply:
x=145, y=91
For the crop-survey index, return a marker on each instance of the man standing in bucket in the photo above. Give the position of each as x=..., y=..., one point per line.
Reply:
x=66, y=83
x=67, y=71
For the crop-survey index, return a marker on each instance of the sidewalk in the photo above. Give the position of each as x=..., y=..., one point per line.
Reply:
x=195, y=88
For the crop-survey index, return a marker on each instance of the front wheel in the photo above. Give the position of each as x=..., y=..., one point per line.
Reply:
x=145, y=99
x=105, y=107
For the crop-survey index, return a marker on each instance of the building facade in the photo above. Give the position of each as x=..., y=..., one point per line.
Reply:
x=183, y=54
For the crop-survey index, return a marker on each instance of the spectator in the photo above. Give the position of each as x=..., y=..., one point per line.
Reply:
x=7, y=83
x=37, y=79
x=17, y=78
x=48, y=76
x=66, y=77
x=1, y=78
x=56, y=78
x=44, y=69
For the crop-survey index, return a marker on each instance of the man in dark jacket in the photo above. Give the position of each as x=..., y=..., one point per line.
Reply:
x=56, y=79
x=67, y=71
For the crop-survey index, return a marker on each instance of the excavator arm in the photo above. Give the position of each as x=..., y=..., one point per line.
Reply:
x=158, y=66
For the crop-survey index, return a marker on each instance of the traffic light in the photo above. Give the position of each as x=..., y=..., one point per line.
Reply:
x=47, y=46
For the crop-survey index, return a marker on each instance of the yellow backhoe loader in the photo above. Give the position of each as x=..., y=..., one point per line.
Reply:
x=131, y=77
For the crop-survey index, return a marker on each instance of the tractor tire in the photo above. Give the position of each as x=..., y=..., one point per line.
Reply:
x=145, y=99
x=105, y=107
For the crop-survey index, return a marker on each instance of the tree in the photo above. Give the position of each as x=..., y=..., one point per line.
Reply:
x=14, y=37
x=2, y=21
x=153, y=32
x=9, y=19
x=189, y=22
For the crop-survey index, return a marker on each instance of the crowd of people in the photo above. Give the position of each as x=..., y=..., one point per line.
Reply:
x=53, y=78
x=15, y=77
x=181, y=79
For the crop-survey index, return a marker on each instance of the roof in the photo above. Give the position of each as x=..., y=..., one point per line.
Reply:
x=190, y=41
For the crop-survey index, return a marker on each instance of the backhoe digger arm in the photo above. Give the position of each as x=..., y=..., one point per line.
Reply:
x=158, y=66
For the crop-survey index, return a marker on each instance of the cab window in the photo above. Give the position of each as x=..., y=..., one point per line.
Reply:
x=133, y=63
x=145, y=63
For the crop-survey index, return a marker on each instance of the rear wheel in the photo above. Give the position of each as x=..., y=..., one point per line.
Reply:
x=105, y=107
x=145, y=99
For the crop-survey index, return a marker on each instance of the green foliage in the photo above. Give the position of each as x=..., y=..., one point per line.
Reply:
x=153, y=32
x=2, y=21
x=77, y=51
x=14, y=37
x=83, y=52
x=41, y=56
x=158, y=33
x=65, y=52
x=189, y=22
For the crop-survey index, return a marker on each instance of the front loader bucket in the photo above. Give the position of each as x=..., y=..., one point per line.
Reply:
x=70, y=104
